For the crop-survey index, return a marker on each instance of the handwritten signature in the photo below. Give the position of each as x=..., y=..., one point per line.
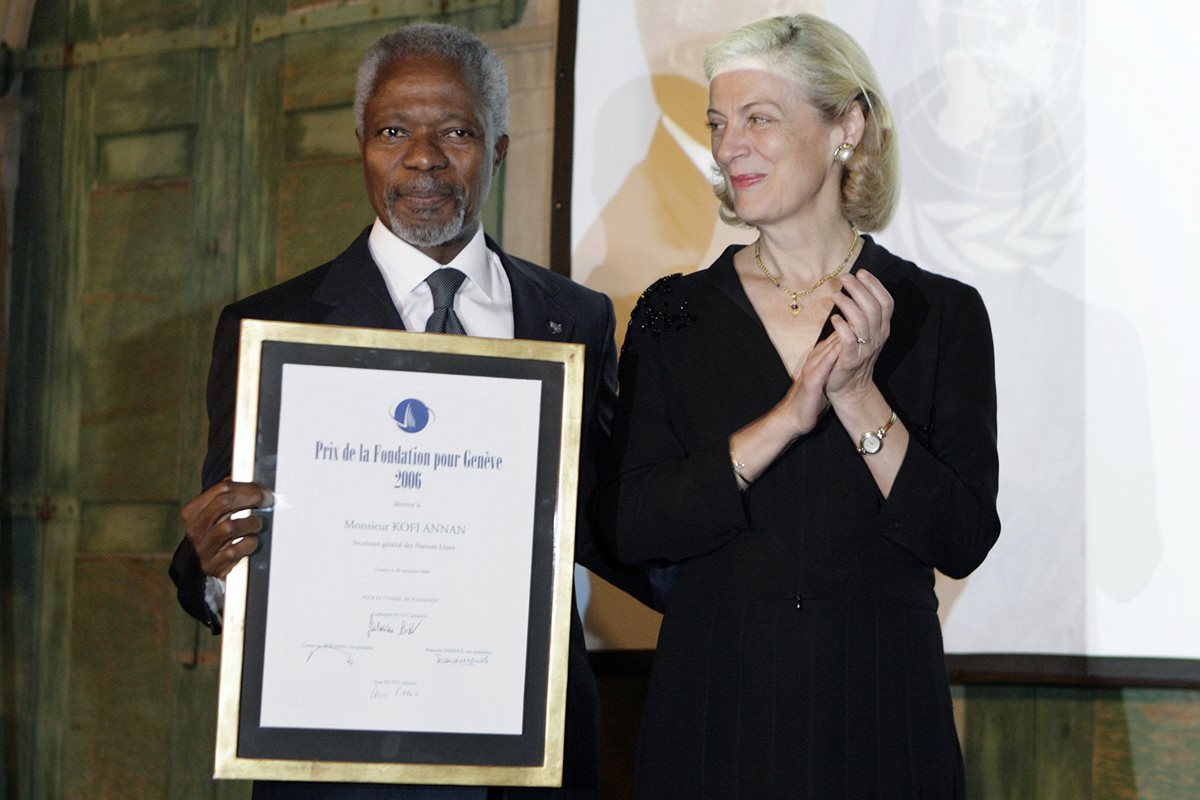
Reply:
x=383, y=692
x=381, y=624
x=466, y=661
x=318, y=648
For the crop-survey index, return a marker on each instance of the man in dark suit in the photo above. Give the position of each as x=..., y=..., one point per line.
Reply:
x=431, y=109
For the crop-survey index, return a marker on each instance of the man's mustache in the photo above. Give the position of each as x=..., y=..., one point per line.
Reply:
x=425, y=185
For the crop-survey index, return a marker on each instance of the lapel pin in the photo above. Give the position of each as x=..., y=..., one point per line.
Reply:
x=555, y=327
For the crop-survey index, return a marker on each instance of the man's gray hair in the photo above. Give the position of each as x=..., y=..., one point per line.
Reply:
x=481, y=68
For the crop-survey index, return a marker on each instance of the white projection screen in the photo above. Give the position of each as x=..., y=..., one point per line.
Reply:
x=1047, y=161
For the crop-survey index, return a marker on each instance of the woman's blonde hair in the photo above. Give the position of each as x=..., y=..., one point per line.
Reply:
x=834, y=72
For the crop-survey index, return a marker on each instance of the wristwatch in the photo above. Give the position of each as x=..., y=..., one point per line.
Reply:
x=872, y=441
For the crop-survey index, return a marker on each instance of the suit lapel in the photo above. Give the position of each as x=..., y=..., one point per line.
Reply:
x=355, y=291
x=356, y=294
x=537, y=314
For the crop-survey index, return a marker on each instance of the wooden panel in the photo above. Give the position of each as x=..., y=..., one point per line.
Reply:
x=36, y=255
x=1000, y=746
x=321, y=65
x=462, y=12
x=1112, y=756
x=1028, y=742
x=42, y=413
x=146, y=93
x=145, y=156
x=322, y=207
x=127, y=668
x=192, y=706
x=210, y=282
x=1164, y=732
x=1063, y=728
x=115, y=17
x=139, y=240
x=138, y=253
x=321, y=133
x=39, y=584
x=129, y=528
x=1054, y=743
x=262, y=159
x=211, y=279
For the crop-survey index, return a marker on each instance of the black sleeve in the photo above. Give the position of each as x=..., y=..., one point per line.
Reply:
x=942, y=507
x=185, y=569
x=599, y=406
x=661, y=501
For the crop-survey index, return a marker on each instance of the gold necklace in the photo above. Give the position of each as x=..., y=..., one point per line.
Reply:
x=795, y=307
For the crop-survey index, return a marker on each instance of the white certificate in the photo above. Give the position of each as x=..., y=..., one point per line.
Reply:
x=407, y=497
x=406, y=617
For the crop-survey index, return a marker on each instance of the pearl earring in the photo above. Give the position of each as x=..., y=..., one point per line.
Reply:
x=843, y=152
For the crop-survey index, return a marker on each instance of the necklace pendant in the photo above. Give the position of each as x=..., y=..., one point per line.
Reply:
x=795, y=308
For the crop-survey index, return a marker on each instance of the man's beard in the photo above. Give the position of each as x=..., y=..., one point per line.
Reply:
x=431, y=234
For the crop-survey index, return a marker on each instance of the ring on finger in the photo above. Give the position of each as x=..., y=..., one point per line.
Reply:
x=861, y=340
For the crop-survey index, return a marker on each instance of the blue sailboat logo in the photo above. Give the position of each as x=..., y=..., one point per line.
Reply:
x=411, y=415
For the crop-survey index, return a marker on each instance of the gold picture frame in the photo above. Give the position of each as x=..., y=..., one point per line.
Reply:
x=351, y=748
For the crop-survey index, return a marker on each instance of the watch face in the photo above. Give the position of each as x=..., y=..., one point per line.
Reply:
x=871, y=443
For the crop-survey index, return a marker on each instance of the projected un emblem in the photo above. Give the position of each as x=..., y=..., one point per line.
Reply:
x=411, y=415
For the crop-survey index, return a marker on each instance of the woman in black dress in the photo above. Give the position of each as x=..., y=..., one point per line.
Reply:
x=806, y=429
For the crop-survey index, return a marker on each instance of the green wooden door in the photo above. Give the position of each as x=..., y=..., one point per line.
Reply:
x=178, y=155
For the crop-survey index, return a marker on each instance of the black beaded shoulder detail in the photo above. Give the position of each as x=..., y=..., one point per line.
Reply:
x=658, y=311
